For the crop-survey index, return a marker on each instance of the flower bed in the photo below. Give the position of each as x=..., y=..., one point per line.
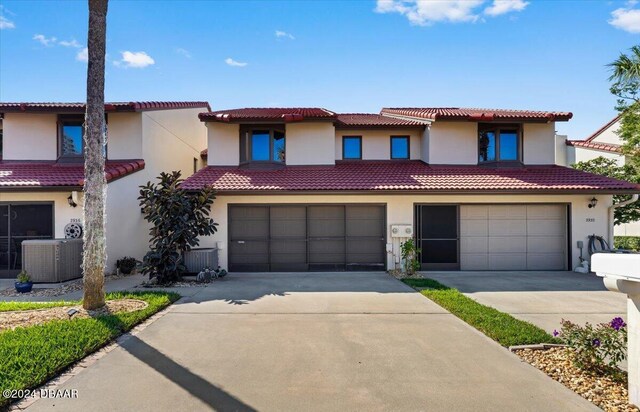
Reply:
x=606, y=390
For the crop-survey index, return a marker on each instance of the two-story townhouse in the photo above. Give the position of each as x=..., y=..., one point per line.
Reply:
x=42, y=169
x=604, y=142
x=309, y=189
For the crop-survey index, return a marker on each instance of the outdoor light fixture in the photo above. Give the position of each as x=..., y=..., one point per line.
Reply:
x=593, y=202
x=73, y=199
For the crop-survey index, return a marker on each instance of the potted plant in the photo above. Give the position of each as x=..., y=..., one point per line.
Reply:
x=23, y=283
x=126, y=265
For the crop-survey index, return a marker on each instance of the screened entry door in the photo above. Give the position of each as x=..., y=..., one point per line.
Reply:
x=287, y=238
x=18, y=222
x=437, y=236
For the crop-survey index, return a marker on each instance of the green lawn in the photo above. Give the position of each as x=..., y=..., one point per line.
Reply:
x=31, y=356
x=11, y=306
x=499, y=326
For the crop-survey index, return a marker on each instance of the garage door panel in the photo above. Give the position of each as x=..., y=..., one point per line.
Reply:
x=474, y=228
x=371, y=212
x=546, y=261
x=545, y=227
x=557, y=212
x=507, y=212
x=507, y=227
x=327, y=251
x=546, y=244
x=507, y=244
x=365, y=227
x=472, y=212
x=474, y=244
x=249, y=252
x=474, y=261
x=507, y=261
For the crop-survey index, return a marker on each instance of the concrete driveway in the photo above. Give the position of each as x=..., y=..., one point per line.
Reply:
x=312, y=342
x=542, y=298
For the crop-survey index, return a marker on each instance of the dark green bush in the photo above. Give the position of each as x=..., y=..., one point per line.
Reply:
x=627, y=242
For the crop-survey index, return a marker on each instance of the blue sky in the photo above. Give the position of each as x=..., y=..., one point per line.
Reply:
x=352, y=56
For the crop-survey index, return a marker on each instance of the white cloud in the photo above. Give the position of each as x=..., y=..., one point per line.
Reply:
x=137, y=60
x=505, y=6
x=70, y=43
x=5, y=23
x=183, y=52
x=284, y=34
x=626, y=19
x=234, y=63
x=45, y=41
x=83, y=55
x=428, y=12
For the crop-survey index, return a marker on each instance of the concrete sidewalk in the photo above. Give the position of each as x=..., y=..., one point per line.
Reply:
x=312, y=342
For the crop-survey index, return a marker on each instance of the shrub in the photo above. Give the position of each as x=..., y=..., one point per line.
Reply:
x=595, y=346
x=126, y=264
x=177, y=219
x=627, y=242
x=410, y=255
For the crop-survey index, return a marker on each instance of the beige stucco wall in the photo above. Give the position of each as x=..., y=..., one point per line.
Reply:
x=580, y=154
x=609, y=135
x=376, y=144
x=310, y=143
x=400, y=211
x=453, y=143
x=539, y=143
x=223, y=144
x=28, y=136
x=124, y=136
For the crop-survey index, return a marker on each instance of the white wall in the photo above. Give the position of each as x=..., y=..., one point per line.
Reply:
x=539, y=143
x=28, y=136
x=609, y=135
x=124, y=136
x=580, y=154
x=562, y=155
x=453, y=143
x=310, y=143
x=224, y=144
x=400, y=211
x=376, y=143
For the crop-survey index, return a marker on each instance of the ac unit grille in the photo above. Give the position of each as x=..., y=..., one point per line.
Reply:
x=49, y=261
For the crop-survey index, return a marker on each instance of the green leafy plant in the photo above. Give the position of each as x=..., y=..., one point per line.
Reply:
x=23, y=277
x=627, y=242
x=595, y=347
x=177, y=219
x=410, y=254
x=126, y=264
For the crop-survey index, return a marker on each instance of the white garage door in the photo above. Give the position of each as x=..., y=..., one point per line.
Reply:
x=513, y=237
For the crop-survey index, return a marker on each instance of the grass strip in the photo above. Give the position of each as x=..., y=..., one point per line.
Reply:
x=499, y=326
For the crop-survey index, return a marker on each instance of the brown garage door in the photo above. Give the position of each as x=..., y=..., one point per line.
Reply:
x=264, y=238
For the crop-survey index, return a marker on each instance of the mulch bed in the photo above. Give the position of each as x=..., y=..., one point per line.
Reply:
x=58, y=290
x=603, y=390
x=23, y=318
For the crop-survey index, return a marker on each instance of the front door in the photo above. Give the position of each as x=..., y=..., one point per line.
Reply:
x=437, y=235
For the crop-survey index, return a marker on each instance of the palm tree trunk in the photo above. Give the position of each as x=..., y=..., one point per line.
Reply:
x=95, y=185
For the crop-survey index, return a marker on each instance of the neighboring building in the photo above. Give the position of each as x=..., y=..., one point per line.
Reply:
x=606, y=143
x=308, y=189
x=42, y=170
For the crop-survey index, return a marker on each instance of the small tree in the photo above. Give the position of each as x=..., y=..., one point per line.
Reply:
x=177, y=218
x=410, y=254
x=628, y=172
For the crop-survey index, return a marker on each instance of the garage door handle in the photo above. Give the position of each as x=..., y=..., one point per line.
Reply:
x=241, y=242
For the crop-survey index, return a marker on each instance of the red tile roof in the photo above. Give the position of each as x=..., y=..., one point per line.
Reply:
x=17, y=174
x=108, y=106
x=477, y=115
x=286, y=114
x=374, y=120
x=409, y=176
x=605, y=147
x=602, y=129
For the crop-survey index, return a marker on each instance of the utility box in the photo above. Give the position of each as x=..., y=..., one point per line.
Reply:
x=401, y=231
x=52, y=260
x=197, y=259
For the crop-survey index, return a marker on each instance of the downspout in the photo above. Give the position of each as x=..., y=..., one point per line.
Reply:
x=612, y=208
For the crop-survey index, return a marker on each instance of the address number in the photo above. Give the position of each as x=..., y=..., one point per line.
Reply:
x=591, y=219
x=75, y=220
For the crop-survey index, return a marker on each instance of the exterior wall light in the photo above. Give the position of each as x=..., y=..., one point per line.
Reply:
x=73, y=199
x=593, y=202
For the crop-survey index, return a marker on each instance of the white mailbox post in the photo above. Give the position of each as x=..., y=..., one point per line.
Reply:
x=621, y=273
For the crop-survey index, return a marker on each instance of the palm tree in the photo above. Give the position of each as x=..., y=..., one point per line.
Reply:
x=95, y=185
x=625, y=70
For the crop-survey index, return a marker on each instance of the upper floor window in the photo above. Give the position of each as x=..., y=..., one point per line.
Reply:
x=71, y=133
x=499, y=143
x=262, y=145
x=400, y=147
x=352, y=147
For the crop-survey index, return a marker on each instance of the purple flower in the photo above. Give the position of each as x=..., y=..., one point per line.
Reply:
x=617, y=323
x=555, y=333
x=596, y=342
